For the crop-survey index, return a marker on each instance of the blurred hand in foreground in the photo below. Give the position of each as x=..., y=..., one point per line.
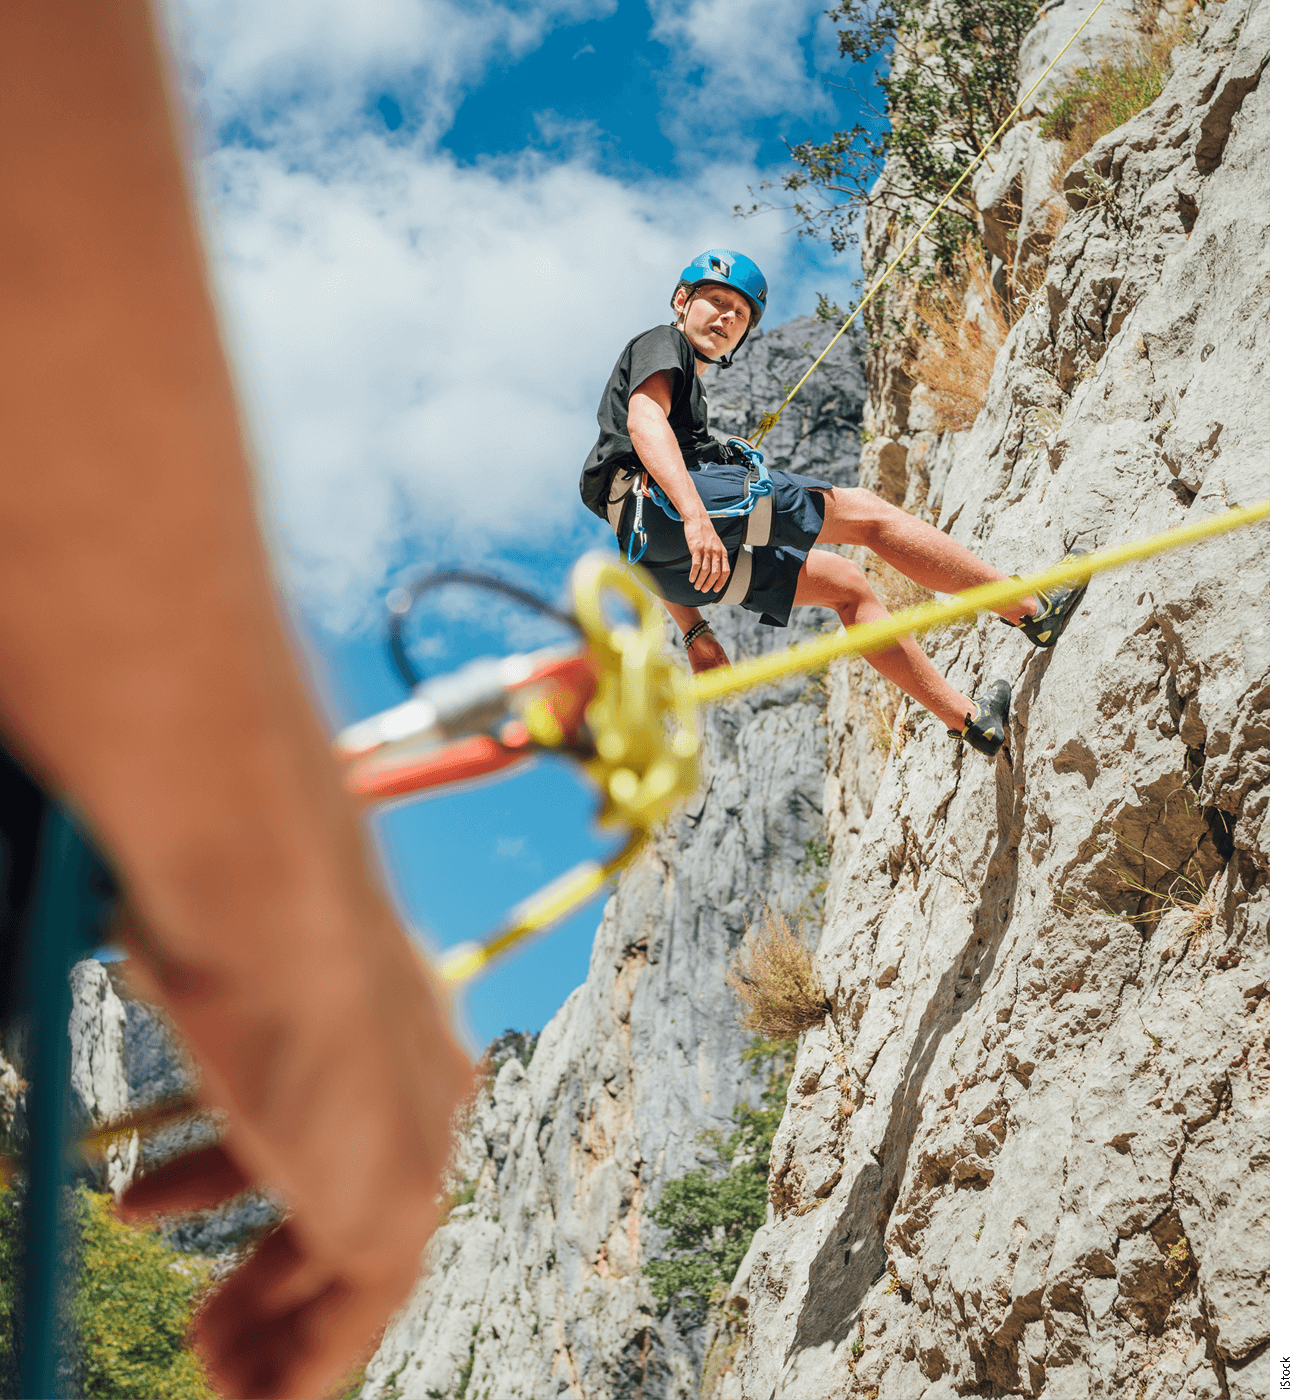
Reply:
x=145, y=676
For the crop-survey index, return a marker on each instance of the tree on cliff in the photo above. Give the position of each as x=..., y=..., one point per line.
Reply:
x=949, y=75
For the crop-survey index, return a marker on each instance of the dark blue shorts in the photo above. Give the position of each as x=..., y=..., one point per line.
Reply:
x=798, y=510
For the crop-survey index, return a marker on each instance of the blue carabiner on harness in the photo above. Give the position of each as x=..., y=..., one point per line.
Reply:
x=758, y=487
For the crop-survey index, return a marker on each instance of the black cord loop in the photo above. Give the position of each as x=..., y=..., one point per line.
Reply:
x=403, y=598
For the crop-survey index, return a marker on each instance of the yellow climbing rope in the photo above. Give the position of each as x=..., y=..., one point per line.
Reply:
x=875, y=636
x=643, y=718
x=769, y=420
x=647, y=731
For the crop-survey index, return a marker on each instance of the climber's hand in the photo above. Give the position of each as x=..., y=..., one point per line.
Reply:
x=705, y=653
x=709, y=566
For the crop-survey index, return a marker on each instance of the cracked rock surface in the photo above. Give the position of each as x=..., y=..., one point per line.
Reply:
x=1049, y=970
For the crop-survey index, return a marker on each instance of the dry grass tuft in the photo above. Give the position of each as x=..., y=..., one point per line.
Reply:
x=775, y=981
x=956, y=355
x=1095, y=100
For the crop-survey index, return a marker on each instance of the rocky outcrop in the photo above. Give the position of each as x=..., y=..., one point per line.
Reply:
x=97, y=1029
x=532, y=1288
x=1049, y=971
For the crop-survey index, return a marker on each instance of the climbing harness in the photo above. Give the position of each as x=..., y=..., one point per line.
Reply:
x=755, y=506
x=769, y=420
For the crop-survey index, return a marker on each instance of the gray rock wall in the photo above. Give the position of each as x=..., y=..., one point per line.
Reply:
x=533, y=1289
x=1049, y=1173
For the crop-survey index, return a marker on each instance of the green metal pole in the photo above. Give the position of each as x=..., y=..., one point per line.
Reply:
x=67, y=913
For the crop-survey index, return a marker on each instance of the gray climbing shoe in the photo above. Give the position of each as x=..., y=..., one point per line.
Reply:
x=1054, y=608
x=987, y=728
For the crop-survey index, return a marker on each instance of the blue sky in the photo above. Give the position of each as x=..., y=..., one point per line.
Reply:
x=433, y=226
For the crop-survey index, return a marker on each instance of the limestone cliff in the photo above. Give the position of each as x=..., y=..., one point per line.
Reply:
x=1028, y=1153
x=1049, y=971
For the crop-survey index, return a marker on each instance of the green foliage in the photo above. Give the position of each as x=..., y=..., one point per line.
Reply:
x=817, y=851
x=467, y=1370
x=710, y=1221
x=463, y=1195
x=519, y=1045
x=952, y=82
x=10, y=1250
x=711, y=1216
x=133, y=1308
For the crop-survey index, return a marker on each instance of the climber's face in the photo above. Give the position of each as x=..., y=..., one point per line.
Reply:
x=713, y=320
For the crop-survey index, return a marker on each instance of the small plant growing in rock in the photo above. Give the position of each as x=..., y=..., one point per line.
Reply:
x=816, y=852
x=1095, y=100
x=1187, y=890
x=858, y=1347
x=1180, y=1261
x=774, y=979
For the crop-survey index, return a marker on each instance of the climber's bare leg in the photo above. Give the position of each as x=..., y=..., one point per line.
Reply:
x=831, y=581
x=926, y=555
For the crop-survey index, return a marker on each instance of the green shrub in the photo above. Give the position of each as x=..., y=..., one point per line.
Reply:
x=133, y=1308
x=131, y=1305
x=711, y=1216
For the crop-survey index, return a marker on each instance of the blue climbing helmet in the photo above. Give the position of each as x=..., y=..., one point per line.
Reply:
x=732, y=269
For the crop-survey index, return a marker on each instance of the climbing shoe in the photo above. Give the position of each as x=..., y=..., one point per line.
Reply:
x=1054, y=608
x=987, y=727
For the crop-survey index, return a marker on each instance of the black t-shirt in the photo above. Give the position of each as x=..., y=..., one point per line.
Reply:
x=663, y=348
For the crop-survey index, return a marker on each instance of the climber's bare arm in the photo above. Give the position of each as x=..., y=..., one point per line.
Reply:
x=705, y=652
x=655, y=445
x=145, y=674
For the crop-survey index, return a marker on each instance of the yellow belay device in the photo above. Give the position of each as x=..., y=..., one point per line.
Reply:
x=614, y=703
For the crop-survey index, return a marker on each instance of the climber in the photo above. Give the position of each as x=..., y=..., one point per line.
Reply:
x=661, y=479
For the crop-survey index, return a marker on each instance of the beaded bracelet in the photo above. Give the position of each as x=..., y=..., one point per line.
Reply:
x=697, y=631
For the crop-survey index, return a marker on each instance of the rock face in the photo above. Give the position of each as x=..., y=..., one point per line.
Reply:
x=125, y=1056
x=97, y=1029
x=532, y=1289
x=1049, y=970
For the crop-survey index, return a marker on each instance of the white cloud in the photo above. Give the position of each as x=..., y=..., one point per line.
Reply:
x=296, y=69
x=737, y=59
